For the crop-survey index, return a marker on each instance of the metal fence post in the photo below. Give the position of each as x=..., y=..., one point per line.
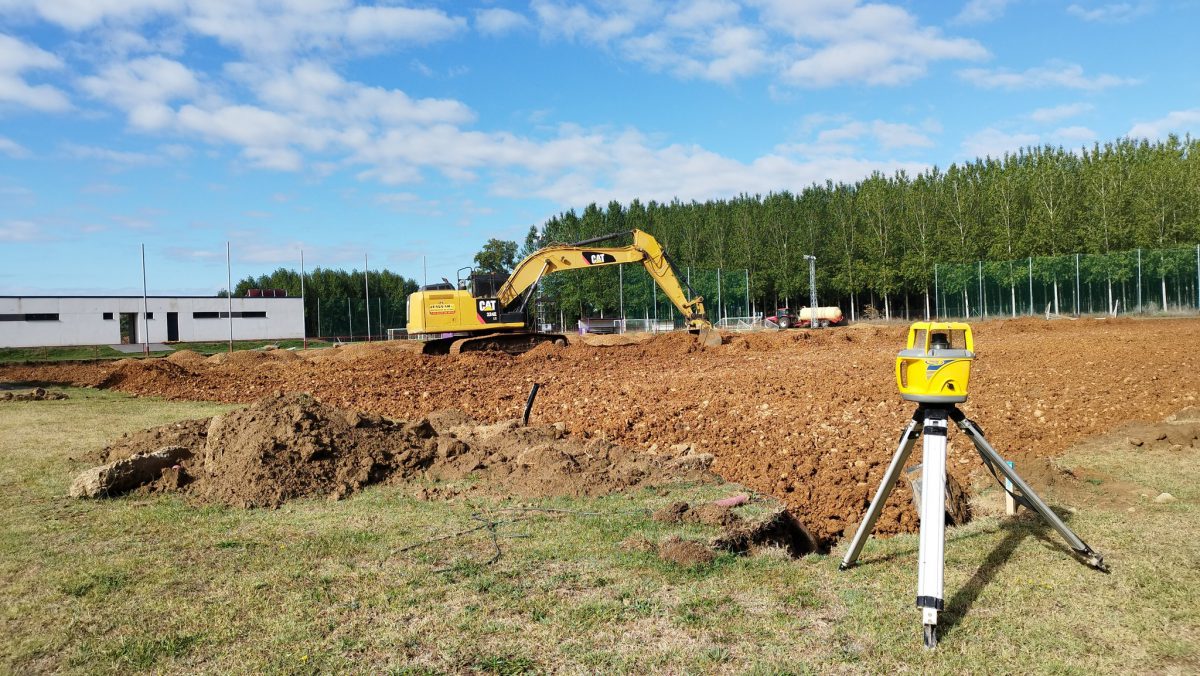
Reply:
x=719, y=306
x=621, y=292
x=747, y=271
x=1139, y=295
x=1198, y=276
x=1077, y=304
x=982, y=303
x=1031, y=285
x=937, y=308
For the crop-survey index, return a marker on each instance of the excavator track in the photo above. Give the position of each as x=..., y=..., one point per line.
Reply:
x=512, y=343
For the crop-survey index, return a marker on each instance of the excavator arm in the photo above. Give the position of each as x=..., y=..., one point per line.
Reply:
x=645, y=250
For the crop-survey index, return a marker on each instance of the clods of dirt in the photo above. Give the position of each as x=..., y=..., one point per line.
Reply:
x=36, y=394
x=290, y=446
x=780, y=530
x=686, y=553
x=708, y=514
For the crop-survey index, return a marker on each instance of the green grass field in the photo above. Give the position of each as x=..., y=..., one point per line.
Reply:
x=10, y=355
x=157, y=584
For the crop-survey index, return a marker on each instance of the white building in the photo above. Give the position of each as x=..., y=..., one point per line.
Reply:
x=42, y=321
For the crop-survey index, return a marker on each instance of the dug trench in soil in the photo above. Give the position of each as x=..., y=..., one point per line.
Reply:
x=811, y=417
x=291, y=446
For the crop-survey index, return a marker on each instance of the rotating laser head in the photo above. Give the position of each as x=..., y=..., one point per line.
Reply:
x=935, y=364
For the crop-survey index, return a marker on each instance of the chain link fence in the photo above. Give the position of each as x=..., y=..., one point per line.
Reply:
x=1143, y=281
x=347, y=319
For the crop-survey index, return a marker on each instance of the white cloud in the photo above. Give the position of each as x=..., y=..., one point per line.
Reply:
x=496, y=21
x=992, y=142
x=12, y=148
x=981, y=11
x=19, y=231
x=16, y=57
x=850, y=138
x=120, y=157
x=1176, y=122
x=77, y=15
x=1074, y=134
x=1055, y=74
x=1063, y=112
x=403, y=24
x=576, y=22
x=1115, y=12
x=143, y=88
x=875, y=44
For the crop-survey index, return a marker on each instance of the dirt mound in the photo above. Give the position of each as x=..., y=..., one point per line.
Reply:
x=291, y=446
x=810, y=417
x=709, y=514
x=543, y=351
x=187, y=358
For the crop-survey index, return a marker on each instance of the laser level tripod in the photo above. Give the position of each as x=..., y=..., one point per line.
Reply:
x=934, y=372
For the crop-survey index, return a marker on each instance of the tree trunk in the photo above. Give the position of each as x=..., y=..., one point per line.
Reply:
x=927, y=315
x=1056, y=294
x=1013, y=289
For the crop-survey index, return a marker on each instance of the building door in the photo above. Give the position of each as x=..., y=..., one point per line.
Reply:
x=172, y=326
x=129, y=328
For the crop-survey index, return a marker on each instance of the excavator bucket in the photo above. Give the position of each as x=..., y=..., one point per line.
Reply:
x=709, y=337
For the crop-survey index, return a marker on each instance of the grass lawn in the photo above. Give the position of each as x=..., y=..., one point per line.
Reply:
x=23, y=354
x=157, y=584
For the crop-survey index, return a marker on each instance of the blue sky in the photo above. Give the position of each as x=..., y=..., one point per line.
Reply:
x=405, y=130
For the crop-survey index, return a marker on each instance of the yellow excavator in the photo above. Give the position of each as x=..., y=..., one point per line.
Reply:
x=487, y=311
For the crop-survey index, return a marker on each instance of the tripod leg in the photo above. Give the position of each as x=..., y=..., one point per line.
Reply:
x=907, y=440
x=930, y=584
x=991, y=457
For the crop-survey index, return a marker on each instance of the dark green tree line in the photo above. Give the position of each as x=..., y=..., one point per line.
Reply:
x=877, y=240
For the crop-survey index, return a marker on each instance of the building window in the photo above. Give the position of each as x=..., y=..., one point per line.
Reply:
x=108, y=315
x=225, y=315
x=149, y=315
x=31, y=317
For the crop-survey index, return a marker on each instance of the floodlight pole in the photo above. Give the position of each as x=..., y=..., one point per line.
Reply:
x=229, y=291
x=145, y=309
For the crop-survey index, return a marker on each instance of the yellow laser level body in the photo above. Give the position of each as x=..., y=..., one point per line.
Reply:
x=935, y=365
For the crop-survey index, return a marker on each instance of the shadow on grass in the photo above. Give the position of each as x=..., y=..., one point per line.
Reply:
x=1018, y=530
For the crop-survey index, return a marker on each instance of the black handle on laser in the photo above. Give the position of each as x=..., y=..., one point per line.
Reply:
x=529, y=404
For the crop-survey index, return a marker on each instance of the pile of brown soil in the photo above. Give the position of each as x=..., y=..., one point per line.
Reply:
x=290, y=446
x=810, y=417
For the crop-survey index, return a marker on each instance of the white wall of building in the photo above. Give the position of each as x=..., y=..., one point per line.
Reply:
x=81, y=319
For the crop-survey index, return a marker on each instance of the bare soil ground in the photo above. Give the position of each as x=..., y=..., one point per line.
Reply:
x=809, y=416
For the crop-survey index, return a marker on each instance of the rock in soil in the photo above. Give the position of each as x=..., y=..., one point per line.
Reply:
x=127, y=474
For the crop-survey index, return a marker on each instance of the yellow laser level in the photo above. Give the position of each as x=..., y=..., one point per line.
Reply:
x=935, y=364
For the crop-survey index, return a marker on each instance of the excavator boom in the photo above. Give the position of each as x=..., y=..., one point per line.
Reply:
x=645, y=250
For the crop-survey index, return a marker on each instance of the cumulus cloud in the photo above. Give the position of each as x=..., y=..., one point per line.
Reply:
x=16, y=57
x=143, y=88
x=19, y=231
x=1062, y=112
x=497, y=21
x=1055, y=74
x=1177, y=122
x=1115, y=12
x=875, y=44
x=992, y=142
x=12, y=148
x=981, y=11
